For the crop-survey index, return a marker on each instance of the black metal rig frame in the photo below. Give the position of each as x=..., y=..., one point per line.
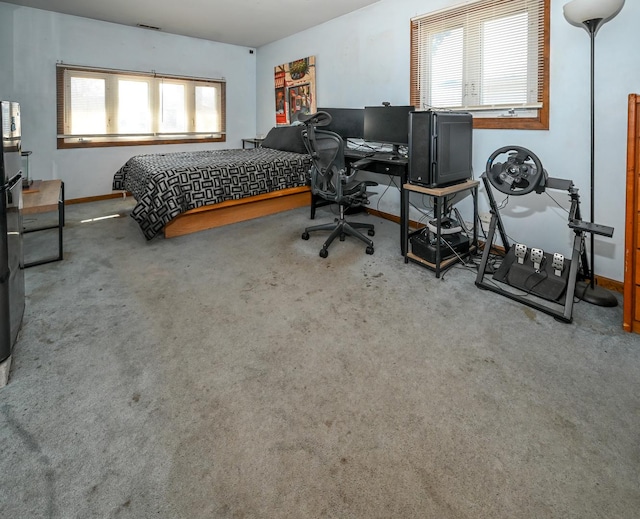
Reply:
x=579, y=260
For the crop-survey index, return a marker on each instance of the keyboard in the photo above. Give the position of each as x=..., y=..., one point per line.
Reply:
x=387, y=156
x=358, y=154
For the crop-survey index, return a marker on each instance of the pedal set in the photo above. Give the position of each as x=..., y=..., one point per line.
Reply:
x=537, y=257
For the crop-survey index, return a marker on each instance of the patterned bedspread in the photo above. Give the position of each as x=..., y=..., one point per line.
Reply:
x=167, y=184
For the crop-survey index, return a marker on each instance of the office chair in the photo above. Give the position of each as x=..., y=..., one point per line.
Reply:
x=330, y=180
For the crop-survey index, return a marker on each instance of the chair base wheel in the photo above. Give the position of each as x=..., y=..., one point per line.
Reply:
x=341, y=230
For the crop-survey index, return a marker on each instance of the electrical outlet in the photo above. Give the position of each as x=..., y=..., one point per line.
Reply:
x=485, y=221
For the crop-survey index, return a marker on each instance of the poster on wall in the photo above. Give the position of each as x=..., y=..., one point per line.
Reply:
x=295, y=89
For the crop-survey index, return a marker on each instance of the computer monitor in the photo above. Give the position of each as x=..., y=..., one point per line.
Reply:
x=387, y=124
x=346, y=122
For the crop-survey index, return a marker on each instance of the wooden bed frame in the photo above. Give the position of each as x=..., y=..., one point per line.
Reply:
x=232, y=211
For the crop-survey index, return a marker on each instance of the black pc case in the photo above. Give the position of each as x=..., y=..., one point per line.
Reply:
x=440, y=146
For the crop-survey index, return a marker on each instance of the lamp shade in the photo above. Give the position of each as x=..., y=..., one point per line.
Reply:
x=579, y=11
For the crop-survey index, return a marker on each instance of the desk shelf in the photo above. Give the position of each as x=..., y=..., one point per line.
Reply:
x=444, y=264
x=439, y=194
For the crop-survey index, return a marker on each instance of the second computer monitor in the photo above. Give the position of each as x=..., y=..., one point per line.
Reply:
x=387, y=124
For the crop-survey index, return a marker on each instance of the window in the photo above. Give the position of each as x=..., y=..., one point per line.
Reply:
x=489, y=57
x=98, y=107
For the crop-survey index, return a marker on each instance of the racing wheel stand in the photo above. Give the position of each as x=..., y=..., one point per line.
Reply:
x=534, y=278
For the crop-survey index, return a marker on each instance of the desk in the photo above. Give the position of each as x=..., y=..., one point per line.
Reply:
x=44, y=196
x=255, y=141
x=439, y=194
x=381, y=163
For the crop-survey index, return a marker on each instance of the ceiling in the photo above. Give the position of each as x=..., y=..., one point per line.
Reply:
x=249, y=23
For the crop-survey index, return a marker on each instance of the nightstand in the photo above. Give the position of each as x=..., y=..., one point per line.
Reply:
x=255, y=141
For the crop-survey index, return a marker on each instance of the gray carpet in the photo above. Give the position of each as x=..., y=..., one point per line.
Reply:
x=236, y=374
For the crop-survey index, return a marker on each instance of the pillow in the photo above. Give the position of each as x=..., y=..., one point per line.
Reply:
x=285, y=138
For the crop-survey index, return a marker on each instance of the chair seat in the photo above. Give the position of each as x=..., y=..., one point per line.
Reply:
x=354, y=187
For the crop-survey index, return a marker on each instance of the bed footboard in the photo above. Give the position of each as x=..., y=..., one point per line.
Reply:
x=233, y=211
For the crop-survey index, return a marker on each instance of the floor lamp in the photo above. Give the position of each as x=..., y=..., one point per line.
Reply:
x=591, y=14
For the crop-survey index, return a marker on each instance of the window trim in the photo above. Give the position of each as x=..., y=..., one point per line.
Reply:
x=539, y=122
x=64, y=143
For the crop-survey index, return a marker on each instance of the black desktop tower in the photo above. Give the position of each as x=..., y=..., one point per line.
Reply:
x=440, y=147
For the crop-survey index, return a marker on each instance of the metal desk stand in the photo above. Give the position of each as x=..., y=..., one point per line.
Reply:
x=43, y=197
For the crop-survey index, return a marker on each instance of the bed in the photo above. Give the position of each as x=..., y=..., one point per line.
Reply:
x=184, y=192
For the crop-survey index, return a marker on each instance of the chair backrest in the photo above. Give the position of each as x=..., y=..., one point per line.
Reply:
x=327, y=155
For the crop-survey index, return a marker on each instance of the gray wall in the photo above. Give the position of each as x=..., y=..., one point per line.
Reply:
x=363, y=58
x=34, y=40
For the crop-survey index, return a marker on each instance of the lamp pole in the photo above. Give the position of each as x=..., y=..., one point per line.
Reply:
x=590, y=292
x=591, y=14
x=592, y=27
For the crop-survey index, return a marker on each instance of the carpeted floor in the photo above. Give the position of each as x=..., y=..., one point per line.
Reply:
x=236, y=374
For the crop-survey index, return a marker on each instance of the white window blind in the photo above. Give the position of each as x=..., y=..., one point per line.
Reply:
x=486, y=56
x=134, y=106
x=110, y=107
x=207, y=99
x=88, y=104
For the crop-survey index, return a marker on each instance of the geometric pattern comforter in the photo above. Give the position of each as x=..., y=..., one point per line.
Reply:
x=167, y=184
